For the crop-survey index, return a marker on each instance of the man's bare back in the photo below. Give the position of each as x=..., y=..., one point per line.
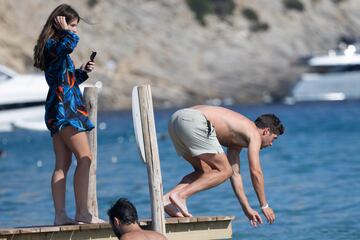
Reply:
x=232, y=128
x=142, y=235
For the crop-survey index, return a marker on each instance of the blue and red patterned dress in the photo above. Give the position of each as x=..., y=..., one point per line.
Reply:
x=64, y=103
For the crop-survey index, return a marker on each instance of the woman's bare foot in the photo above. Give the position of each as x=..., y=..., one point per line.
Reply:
x=87, y=219
x=63, y=219
x=180, y=204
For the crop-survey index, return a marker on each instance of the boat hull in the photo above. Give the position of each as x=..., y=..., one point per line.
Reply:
x=327, y=87
x=31, y=118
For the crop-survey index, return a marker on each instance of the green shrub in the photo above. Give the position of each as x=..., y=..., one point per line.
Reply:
x=200, y=9
x=250, y=14
x=259, y=27
x=338, y=1
x=255, y=24
x=92, y=3
x=296, y=5
x=220, y=8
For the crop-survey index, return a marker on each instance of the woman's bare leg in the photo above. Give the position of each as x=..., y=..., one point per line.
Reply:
x=58, y=180
x=79, y=145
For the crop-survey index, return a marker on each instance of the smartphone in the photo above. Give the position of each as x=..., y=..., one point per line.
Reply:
x=92, y=56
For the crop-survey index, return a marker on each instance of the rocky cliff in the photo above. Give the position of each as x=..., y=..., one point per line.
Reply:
x=160, y=42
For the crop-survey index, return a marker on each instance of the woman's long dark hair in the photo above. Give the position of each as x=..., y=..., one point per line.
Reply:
x=50, y=30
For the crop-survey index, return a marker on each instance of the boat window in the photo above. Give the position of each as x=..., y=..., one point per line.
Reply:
x=334, y=69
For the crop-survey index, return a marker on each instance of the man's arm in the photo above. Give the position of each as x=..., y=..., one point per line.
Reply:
x=257, y=178
x=238, y=188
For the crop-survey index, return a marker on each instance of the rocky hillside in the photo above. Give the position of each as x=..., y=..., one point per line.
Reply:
x=241, y=57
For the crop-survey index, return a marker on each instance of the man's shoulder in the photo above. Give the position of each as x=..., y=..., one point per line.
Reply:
x=131, y=235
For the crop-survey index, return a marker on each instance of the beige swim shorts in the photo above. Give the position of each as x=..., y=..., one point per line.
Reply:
x=192, y=134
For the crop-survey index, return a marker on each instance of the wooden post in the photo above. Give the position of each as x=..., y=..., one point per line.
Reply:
x=152, y=159
x=91, y=99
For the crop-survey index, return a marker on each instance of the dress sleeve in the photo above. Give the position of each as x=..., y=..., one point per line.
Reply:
x=80, y=75
x=63, y=46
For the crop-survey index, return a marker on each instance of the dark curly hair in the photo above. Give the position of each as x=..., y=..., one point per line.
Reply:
x=270, y=121
x=123, y=210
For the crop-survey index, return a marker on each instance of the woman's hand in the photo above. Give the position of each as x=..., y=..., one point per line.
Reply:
x=61, y=23
x=88, y=67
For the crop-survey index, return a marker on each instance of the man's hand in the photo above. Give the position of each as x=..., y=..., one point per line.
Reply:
x=269, y=214
x=61, y=23
x=254, y=217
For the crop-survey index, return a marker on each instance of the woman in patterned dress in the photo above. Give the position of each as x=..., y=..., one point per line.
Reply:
x=66, y=116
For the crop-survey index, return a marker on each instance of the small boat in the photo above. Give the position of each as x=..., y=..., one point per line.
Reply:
x=22, y=99
x=331, y=77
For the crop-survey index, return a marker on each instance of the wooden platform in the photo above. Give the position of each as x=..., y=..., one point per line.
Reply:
x=199, y=228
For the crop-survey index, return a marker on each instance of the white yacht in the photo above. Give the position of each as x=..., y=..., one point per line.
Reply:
x=331, y=77
x=22, y=99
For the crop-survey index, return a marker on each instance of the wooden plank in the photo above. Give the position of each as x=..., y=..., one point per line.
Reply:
x=188, y=219
x=98, y=234
x=172, y=220
x=8, y=231
x=199, y=230
x=89, y=226
x=30, y=230
x=91, y=99
x=152, y=158
x=58, y=235
x=206, y=218
x=104, y=225
x=45, y=229
x=69, y=228
x=224, y=218
x=204, y=227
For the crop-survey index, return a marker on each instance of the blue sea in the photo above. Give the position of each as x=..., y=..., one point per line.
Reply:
x=312, y=173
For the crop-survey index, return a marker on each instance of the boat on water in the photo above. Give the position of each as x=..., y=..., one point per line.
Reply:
x=22, y=99
x=331, y=77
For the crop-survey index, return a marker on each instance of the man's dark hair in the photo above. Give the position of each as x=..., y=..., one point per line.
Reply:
x=270, y=121
x=123, y=210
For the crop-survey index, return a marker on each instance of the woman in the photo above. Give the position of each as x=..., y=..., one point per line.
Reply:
x=65, y=113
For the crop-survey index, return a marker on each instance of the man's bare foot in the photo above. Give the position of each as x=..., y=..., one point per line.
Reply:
x=63, y=219
x=172, y=211
x=170, y=208
x=87, y=219
x=180, y=204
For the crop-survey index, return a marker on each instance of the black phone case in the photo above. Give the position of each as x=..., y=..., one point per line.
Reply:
x=92, y=56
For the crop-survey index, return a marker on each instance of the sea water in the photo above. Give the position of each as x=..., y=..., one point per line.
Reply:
x=312, y=173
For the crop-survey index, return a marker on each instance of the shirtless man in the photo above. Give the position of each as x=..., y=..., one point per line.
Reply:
x=124, y=221
x=198, y=133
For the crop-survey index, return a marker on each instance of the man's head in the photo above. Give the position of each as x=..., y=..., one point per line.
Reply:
x=122, y=214
x=270, y=126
